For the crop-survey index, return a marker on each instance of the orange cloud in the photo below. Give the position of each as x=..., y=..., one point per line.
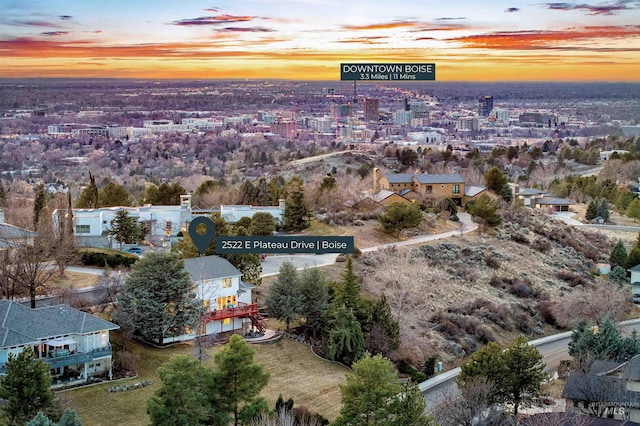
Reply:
x=381, y=26
x=535, y=40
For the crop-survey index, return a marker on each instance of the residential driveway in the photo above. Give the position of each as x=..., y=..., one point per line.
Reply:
x=567, y=217
x=271, y=265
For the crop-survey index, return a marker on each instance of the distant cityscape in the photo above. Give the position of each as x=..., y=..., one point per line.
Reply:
x=302, y=116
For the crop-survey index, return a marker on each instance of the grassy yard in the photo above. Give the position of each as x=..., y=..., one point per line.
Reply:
x=75, y=280
x=295, y=373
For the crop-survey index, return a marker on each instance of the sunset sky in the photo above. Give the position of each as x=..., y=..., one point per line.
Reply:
x=488, y=40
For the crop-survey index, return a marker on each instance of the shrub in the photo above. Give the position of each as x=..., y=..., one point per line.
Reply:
x=112, y=260
x=491, y=261
x=519, y=238
x=573, y=279
x=544, y=309
x=541, y=244
x=404, y=367
x=520, y=289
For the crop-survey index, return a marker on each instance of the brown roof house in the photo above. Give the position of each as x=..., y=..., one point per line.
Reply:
x=426, y=186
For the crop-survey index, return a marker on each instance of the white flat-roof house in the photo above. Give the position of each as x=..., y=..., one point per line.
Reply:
x=74, y=344
x=91, y=226
x=226, y=299
x=162, y=223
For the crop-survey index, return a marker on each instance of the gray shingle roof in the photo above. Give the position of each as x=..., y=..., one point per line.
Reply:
x=472, y=191
x=210, y=267
x=10, y=232
x=399, y=177
x=555, y=201
x=531, y=191
x=432, y=179
x=20, y=325
x=381, y=195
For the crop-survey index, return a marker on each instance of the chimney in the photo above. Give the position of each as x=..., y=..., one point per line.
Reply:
x=185, y=201
x=1, y=216
x=281, y=204
x=376, y=176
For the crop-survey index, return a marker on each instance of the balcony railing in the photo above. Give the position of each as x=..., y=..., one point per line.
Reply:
x=242, y=310
x=64, y=358
x=62, y=361
x=77, y=358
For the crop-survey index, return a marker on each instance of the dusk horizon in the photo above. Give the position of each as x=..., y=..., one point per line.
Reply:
x=306, y=40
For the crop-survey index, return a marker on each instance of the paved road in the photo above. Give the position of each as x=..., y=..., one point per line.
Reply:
x=270, y=265
x=554, y=348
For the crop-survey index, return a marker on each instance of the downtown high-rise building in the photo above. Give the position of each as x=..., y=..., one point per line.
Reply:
x=485, y=105
x=371, y=111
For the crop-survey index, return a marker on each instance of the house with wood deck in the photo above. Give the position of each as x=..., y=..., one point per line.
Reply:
x=73, y=343
x=226, y=299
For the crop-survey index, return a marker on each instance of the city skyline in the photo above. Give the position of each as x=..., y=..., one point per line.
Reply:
x=308, y=39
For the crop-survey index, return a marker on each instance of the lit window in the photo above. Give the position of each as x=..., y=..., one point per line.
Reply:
x=226, y=282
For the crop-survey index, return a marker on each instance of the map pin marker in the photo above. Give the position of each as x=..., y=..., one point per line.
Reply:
x=202, y=241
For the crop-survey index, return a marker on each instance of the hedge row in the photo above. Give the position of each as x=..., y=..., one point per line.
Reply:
x=112, y=260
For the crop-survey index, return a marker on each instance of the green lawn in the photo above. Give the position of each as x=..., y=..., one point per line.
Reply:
x=295, y=372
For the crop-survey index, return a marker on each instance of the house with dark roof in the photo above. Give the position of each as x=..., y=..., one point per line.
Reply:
x=73, y=343
x=226, y=299
x=555, y=204
x=13, y=236
x=427, y=186
x=608, y=389
x=565, y=419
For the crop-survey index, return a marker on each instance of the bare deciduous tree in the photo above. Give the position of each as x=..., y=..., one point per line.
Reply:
x=57, y=225
x=593, y=303
x=25, y=265
x=471, y=407
x=557, y=419
x=110, y=283
x=398, y=278
x=284, y=417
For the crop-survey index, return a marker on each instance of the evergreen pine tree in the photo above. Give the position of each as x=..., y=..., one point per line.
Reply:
x=633, y=259
x=383, y=321
x=582, y=340
x=90, y=196
x=346, y=339
x=25, y=387
x=315, y=300
x=603, y=210
x=38, y=204
x=284, y=299
x=41, y=419
x=347, y=293
x=3, y=195
x=592, y=210
x=297, y=214
x=69, y=418
x=618, y=255
x=629, y=347
x=240, y=381
x=608, y=344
